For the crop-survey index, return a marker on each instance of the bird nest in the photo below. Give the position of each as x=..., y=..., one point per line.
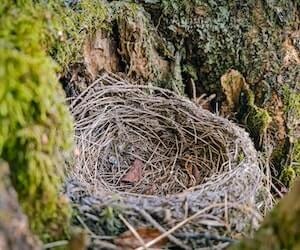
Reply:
x=148, y=159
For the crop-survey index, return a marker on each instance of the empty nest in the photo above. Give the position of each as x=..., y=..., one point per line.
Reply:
x=160, y=161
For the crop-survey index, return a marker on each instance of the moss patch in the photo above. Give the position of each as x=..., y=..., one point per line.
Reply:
x=36, y=127
x=67, y=28
x=255, y=118
x=110, y=220
x=257, y=121
x=292, y=110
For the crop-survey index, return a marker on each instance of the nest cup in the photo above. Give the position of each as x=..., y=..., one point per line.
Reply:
x=156, y=156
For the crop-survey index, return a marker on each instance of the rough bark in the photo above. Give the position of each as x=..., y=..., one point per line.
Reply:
x=14, y=230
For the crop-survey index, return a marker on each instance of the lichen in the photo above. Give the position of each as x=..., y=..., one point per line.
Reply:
x=219, y=35
x=36, y=127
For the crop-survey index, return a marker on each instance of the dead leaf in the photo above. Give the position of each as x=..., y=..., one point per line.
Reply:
x=128, y=241
x=197, y=174
x=135, y=173
x=189, y=168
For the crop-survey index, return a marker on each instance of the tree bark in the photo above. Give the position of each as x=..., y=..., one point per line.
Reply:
x=14, y=230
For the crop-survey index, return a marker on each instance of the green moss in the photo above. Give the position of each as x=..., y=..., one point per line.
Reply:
x=69, y=27
x=279, y=156
x=296, y=153
x=288, y=175
x=59, y=29
x=257, y=119
x=292, y=111
x=292, y=102
x=110, y=220
x=190, y=70
x=36, y=127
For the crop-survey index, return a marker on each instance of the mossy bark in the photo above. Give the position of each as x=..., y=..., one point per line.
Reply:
x=292, y=108
x=281, y=228
x=35, y=124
